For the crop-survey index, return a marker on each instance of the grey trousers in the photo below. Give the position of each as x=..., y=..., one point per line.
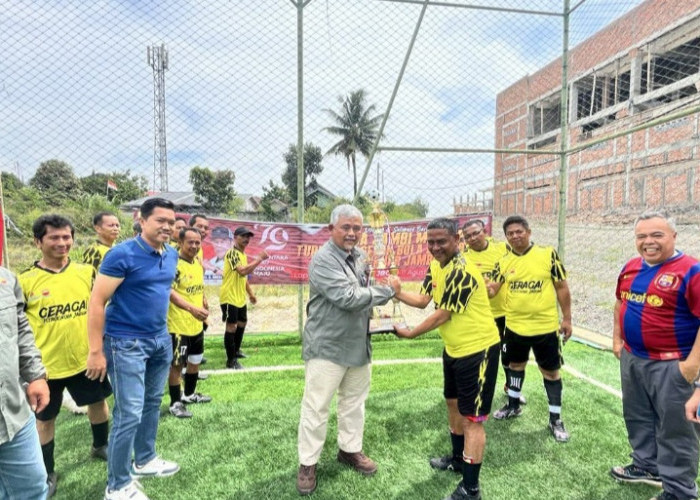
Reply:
x=653, y=403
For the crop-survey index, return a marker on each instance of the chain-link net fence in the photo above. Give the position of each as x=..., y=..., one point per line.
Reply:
x=467, y=97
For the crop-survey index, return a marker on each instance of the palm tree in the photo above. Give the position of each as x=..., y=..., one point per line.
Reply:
x=356, y=127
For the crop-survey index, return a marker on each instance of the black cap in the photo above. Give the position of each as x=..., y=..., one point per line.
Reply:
x=221, y=232
x=242, y=231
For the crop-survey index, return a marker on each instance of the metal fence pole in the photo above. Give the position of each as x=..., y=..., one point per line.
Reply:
x=563, y=143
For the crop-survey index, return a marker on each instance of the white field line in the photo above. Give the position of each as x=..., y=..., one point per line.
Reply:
x=386, y=362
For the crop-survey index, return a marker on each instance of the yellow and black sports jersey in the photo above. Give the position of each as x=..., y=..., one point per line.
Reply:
x=459, y=288
x=485, y=261
x=528, y=283
x=94, y=254
x=233, y=284
x=56, y=307
x=189, y=283
x=176, y=245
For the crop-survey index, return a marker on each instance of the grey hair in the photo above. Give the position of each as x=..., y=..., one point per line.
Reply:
x=345, y=210
x=656, y=214
x=444, y=223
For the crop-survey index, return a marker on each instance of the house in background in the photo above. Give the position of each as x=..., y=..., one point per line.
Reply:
x=185, y=202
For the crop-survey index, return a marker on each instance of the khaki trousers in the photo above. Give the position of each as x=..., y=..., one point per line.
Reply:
x=323, y=379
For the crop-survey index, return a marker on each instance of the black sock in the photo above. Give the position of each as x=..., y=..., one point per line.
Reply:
x=457, y=445
x=47, y=453
x=506, y=370
x=554, y=389
x=174, y=394
x=238, y=338
x=229, y=344
x=515, y=383
x=100, y=432
x=470, y=477
x=190, y=383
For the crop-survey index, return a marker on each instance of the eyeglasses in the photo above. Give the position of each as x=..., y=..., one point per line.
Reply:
x=346, y=228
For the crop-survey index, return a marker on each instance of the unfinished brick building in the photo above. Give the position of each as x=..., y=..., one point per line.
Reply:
x=643, y=67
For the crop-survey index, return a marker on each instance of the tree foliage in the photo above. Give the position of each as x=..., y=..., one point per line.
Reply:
x=357, y=125
x=56, y=182
x=272, y=193
x=214, y=189
x=312, y=169
x=129, y=187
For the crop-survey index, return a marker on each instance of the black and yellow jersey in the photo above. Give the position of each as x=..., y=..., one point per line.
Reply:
x=485, y=260
x=189, y=284
x=459, y=288
x=94, y=254
x=528, y=284
x=233, y=284
x=56, y=307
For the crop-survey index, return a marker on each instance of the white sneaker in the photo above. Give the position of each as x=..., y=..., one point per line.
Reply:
x=70, y=405
x=157, y=467
x=131, y=491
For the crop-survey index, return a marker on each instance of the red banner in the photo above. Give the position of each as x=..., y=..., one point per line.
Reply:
x=291, y=246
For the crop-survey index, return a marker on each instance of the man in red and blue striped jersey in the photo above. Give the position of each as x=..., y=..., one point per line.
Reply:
x=655, y=336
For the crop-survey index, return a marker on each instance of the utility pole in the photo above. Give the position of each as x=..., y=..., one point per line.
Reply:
x=157, y=57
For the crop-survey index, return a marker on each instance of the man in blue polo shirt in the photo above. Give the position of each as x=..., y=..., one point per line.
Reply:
x=129, y=341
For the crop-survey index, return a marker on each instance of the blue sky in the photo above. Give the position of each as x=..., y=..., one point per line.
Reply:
x=75, y=85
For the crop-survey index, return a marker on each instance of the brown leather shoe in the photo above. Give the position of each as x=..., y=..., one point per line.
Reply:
x=306, y=479
x=358, y=461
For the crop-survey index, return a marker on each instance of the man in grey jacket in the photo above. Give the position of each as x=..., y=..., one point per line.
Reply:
x=22, y=472
x=336, y=347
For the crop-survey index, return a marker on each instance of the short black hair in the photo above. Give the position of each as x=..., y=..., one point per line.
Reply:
x=516, y=219
x=136, y=228
x=151, y=204
x=54, y=220
x=97, y=219
x=444, y=223
x=180, y=218
x=474, y=222
x=185, y=230
x=193, y=219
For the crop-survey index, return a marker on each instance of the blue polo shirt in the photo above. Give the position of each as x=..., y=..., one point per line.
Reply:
x=139, y=306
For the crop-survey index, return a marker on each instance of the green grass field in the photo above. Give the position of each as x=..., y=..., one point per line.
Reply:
x=243, y=444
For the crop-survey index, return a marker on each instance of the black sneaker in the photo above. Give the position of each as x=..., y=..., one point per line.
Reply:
x=633, y=474
x=236, y=365
x=447, y=462
x=52, y=481
x=461, y=493
x=507, y=412
x=241, y=355
x=99, y=452
x=558, y=431
x=665, y=495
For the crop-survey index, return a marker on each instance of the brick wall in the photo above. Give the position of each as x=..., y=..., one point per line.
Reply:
x=653, y=167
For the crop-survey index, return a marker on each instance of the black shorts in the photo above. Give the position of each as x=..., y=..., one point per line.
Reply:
x=471, y=380
x=83, y=391
x=547, y=349
x=501, y=325
x=233, y=314
x=186, y=345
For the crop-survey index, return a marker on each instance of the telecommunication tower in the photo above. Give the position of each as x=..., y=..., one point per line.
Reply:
x=158, y=60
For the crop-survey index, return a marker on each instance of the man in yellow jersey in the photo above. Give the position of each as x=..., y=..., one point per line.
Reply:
x=470, y=359
x=107, y=228
x=188, y=308
x=484, y=252
x=234, y=288
x=180, y=224
x=56, y=293
x=534, y=282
